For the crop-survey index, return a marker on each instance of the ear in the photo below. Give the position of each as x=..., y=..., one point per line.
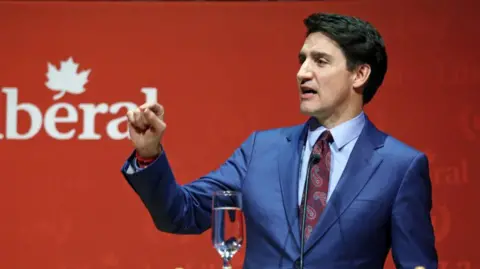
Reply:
x=361, y=75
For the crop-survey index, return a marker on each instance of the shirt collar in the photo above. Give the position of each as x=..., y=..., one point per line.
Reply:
x=342, y=134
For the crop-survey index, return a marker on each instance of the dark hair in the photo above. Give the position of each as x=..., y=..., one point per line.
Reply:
x=360, y=42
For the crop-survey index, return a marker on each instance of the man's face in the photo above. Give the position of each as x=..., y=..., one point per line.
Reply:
x=324, y=82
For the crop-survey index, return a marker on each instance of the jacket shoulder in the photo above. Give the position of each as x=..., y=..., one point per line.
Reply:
x=273, y=137
x=281, y=131
x=397, y=148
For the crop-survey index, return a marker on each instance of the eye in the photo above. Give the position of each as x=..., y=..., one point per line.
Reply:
x=301, y=59
x=321, y=61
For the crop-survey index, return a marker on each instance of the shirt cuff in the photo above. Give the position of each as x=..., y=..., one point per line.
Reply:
x=135, y=165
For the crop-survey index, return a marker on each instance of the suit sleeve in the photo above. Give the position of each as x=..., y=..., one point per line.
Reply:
x=185, y=209
x=413, y=240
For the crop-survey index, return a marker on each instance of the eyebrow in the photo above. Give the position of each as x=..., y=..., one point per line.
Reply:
x=315, y=54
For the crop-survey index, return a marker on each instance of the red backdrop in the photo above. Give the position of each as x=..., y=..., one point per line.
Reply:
x=221, y=70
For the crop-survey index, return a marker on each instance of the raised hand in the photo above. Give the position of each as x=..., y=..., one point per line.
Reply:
x=146, y=128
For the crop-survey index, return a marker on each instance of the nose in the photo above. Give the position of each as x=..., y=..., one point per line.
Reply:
x=304, y=73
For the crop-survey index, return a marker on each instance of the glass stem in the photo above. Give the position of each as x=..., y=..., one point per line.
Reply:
x=226, y=264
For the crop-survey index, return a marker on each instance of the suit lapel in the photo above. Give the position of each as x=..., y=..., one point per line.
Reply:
x=360, y=167
x=289, y=169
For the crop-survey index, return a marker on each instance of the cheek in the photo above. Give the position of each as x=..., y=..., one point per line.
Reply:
x=333, y=86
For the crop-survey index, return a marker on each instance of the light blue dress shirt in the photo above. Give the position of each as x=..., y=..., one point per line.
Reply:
x=345, y=136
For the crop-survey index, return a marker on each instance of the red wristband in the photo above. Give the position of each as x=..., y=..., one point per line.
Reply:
x=144, y=162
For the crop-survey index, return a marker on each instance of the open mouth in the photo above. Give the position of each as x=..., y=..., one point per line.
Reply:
x=307, y=90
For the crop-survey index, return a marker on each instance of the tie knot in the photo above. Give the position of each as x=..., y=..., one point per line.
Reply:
x=326, y=137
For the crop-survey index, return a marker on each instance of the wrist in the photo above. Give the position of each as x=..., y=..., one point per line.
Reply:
x=146, y=158
x=143, y=162
x=148, y=152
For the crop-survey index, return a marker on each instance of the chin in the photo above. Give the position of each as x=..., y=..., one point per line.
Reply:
x=308, y=109
x=313, y=111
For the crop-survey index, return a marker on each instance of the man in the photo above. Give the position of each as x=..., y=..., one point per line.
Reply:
x=364, y=191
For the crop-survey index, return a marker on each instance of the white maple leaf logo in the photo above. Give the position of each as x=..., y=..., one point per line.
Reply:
x=66, y=79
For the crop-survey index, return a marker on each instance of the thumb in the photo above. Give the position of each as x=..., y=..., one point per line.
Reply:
x=157, y=124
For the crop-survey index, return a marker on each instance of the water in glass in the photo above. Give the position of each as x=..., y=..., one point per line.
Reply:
x=227, y=225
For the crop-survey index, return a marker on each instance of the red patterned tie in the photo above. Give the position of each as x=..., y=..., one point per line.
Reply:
x=318, y=184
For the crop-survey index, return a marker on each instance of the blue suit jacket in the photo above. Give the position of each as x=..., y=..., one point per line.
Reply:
x=383, y=201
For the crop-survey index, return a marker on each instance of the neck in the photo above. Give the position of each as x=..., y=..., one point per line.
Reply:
x=335, y=119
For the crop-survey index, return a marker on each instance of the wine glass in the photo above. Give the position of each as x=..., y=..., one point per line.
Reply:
x=227, y=224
